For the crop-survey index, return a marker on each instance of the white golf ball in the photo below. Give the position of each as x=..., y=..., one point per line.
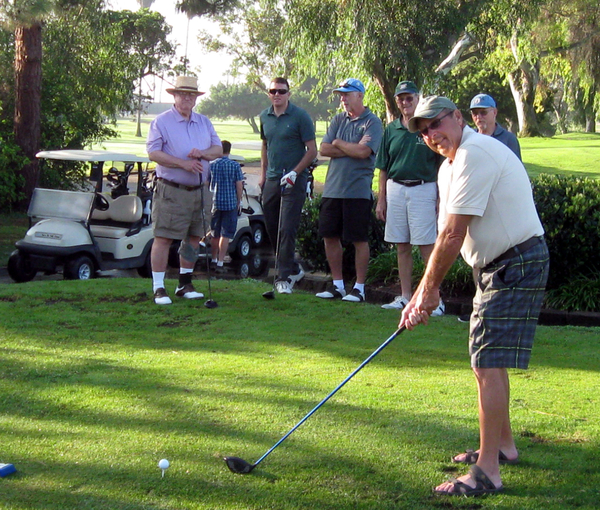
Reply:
x=163, y=464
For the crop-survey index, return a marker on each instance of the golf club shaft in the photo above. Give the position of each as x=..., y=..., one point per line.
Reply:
x=205, y=245
x=315, y=409
x=278, y=236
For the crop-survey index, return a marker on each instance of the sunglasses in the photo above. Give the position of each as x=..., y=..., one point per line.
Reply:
x=281, y=92
x=481, y=112
x=434, y=125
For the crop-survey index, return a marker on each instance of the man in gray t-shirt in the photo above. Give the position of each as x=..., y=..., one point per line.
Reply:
x=351, y=142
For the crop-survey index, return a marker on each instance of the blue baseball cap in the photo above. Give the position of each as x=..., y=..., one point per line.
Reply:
x=406, y=87
x=351, y=85
x=482, y=101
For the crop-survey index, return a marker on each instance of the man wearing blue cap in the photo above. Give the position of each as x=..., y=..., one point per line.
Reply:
x=484, y=112
x=408, y=195
x=351, y=142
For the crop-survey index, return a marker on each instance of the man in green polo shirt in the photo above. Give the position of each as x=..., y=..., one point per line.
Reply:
x=407, y=200
x=288, y=147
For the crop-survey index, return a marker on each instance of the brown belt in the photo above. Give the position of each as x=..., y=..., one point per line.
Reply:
x=180, y=186
x=518, y=249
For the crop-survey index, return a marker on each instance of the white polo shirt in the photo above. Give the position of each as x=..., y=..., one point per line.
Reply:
x=486, y=180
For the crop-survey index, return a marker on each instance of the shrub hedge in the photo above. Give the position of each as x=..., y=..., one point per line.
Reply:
x=569, y=208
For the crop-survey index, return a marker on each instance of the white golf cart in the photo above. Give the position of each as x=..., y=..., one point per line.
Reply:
x=88, y=231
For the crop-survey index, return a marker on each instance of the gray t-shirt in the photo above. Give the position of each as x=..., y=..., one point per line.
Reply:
x=350, y=177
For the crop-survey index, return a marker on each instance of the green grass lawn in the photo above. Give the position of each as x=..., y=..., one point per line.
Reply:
x=98, y=384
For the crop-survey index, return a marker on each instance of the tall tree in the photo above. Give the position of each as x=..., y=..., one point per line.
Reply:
x=145, y=36
x=379, y=41
x=25, y=19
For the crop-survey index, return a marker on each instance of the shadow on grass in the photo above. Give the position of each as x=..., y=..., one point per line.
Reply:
x=100, y=367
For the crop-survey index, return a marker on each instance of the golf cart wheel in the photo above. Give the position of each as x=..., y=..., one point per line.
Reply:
x=19, y=267
x=244, y=246
x=258, y=234
x=79, y=268
x=145, y=271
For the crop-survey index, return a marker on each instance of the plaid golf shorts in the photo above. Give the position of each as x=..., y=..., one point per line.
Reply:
x=506, y=308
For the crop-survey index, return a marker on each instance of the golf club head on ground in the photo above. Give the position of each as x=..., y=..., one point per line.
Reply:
x=238, y=466
x=270, y=294
x=210, y=304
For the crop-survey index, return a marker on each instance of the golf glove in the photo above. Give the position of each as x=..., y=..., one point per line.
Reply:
x=289, y=179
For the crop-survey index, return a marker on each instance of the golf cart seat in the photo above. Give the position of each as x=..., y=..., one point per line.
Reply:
x=117, y=221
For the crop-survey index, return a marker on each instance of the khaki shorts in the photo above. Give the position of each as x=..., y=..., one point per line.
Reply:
x=177, y=213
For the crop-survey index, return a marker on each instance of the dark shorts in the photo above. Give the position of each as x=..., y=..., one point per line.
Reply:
x=224, y=223
x=345, y=218
x=176, y=213
x=506, y=308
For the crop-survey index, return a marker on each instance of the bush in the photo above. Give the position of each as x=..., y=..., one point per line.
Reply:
x=581, y=294
x=569, y=208
x=458, y=282
x=311, y=248
x=11, y=181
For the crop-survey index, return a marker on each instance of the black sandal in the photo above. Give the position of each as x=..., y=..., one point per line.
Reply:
x=483, y=485
x=471, y=457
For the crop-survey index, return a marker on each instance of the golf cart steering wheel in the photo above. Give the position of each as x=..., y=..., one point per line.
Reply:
x=101, y=203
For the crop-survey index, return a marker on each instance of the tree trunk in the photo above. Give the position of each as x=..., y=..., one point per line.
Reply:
x=252, y=122
x=138, y=131
x=590, y=123
x=387, y=87
x=590, y=114
x=523, y=84
x=28, y=91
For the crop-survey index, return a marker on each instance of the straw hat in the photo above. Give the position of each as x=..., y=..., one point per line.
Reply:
x=186, y=84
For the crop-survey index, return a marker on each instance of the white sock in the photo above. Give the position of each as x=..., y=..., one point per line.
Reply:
x=360, y=287
x=158, y=280
x=214, y=261
x=220, y=263
x=185, y=270
x=339, y=284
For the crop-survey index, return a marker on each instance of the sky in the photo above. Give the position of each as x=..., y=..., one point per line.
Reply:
x=213, y=65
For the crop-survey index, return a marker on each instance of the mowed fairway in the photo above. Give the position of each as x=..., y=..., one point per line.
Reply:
x=98, y=384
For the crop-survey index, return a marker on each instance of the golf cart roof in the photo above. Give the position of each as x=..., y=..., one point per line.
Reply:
x=84, y=155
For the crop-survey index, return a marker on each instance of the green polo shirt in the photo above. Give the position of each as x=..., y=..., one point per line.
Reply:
x=286, y=138
x=404, y=155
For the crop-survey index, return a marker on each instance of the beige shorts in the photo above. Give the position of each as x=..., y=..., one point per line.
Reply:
x=177, y=213
x=411, y=213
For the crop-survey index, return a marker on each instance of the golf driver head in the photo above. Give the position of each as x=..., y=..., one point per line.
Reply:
x=210, y=304
x=270, y=294
x=238, y=466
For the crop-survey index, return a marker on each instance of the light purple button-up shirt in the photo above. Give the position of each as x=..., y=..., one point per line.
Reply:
x=171, y=133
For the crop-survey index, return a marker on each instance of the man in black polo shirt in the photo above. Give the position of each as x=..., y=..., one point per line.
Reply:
x=288, y=147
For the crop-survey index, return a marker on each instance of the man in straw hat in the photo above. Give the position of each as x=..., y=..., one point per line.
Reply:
x=487, y=214
x=181, y=142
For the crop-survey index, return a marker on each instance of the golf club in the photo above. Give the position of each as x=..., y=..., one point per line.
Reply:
x=241, y=467
x=270, y=294
x=209, y=303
